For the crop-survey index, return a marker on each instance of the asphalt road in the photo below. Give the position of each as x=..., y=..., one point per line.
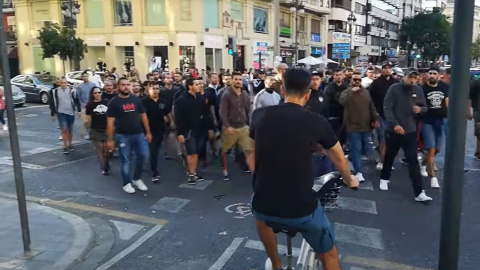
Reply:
x=174, y=226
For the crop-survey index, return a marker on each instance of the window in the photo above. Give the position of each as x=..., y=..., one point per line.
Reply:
x=185, y=10
x=285, y=30
x=123, y=12
x=236, y=10
x=187, y=57
x=392, y=27
x=260, y=21
x=129, y=55
x=360, y=30
x=315, y=24
x=380, y=4
x=94, y=12
x=339, y=26
x=155, y=12
x=359, y=8
x=210, y=18
x=301, y=24
x=345, y=4
x=19, y=79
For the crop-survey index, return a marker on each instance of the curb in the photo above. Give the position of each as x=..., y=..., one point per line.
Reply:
x=83, y=240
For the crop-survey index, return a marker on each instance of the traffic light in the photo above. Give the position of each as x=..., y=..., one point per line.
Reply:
x=418, y=56
x=232, y=45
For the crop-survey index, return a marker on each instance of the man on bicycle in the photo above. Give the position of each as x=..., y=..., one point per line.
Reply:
x=284, y=137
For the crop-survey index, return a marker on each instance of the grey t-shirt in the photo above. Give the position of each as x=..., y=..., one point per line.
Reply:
x=64, y=101
x=83, y=92
x=265, y=99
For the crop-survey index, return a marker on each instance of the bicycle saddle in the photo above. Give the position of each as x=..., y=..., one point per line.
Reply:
x=277, y=227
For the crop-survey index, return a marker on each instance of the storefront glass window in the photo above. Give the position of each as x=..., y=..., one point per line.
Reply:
x=94, y=13
x=155, y=10
x=209, y=58
x=285, y=30
x=123, y=12
x=187, y=57
x=218, y=59
x=129, y=55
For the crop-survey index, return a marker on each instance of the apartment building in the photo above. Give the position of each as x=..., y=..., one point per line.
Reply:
x=176, y=33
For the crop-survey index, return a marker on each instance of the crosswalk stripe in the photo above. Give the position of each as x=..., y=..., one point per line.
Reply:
x=199, y=185
x=357, y=205
x=367, y=185
x=170, y=204
x=357, y=235
x=258, y=245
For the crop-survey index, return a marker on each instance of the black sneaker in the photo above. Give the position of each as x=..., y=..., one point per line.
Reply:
x=71, y=149
x=105, y=172
x=192, y=179
x=226, y=177
x=198, y=178
x=65, y=151
x=155, y=178
x=404, y=161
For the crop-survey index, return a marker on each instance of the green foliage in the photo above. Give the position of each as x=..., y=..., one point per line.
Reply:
x=430, y=32
x=61, y=41
x=476, y=49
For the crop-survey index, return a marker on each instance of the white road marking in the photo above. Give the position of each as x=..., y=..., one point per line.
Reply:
x=357, y=235
x=356, y=268
x=199, y=185
x=31, y=107
x=30, y=115
x=129, y=249
x=170, y=204
x=126, y=230
x=367, y=185
x=282, y=249
x=242, y=210
x=38, y=150
x=24, y=165
x=357, y=205
x=227, y=254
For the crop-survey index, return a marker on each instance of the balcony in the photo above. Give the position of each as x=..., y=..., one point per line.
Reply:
x=317, y=7
x=11, y=37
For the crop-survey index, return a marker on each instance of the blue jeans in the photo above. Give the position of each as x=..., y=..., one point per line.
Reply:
x=2, y=120
x=432, y=134
x=137, y=144
x=359, y=143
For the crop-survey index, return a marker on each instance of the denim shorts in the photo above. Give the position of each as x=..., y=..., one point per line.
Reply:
x=316, y=229
x=65, y=121
x=432, y=135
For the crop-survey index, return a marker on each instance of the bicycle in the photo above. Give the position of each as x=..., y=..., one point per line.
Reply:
x=327, y=187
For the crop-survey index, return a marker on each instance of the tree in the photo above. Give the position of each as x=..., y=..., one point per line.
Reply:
x=61, y=41
x=476, y=49
x=430, y=32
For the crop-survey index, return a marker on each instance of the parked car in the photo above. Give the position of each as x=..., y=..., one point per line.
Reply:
x=35, y=86
x=18, y=96
x=74, y=78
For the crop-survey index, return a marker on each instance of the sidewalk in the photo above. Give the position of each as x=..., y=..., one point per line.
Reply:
x=59, y=239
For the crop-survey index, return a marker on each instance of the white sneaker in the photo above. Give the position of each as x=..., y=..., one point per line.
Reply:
x=379, y=166
x=140, y=185
x=60, y=138
x=87, y=137
x=422, y=197
x=434, y=183
x=423, y=171
x=5, y=128
x=384, y=184
x=360, y=177
x=128, y=189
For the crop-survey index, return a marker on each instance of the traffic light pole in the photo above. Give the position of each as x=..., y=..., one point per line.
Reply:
x=14, y=145
x=457, y=121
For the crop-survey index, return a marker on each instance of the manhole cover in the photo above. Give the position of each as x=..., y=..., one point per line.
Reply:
x=56, y=157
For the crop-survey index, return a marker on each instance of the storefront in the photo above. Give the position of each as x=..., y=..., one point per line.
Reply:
x=156, y=49
x=287, y=55
x=186, y=50
x=213, y=52
x=262, y=57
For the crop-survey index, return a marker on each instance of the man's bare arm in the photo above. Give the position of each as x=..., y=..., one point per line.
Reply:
x=336, y=155
x=110, y=127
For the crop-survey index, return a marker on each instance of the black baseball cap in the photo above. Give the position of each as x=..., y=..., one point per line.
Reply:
x=413, y=72
x=386, y=65
x=315, y=73
x=434, y=68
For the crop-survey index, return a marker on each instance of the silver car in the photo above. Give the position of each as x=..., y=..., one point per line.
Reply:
x=18, y=96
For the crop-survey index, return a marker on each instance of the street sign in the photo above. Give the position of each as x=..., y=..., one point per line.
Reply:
x=342, y=51
x=340, y=45
x=340, y=56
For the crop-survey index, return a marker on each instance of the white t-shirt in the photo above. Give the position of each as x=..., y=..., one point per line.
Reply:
x=96, y=79
x=366, y=82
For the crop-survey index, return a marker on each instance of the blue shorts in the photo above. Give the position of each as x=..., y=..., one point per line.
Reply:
x=316, y=229
x=432, y=135
x=65, y=121
x=380, y=130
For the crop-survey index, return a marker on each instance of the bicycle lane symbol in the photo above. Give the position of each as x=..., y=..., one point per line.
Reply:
x=241, y=210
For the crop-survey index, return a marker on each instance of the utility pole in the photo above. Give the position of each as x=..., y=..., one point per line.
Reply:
x=14, y=145
x=72, y=26
x=455, y=150
x=276, y=19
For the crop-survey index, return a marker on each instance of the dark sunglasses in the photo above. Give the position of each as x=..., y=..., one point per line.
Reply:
x=97, y=92
x=357, y=80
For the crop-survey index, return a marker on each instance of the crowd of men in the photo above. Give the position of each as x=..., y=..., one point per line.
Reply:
x=392, y=110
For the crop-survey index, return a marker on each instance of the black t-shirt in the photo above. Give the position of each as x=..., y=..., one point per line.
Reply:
x=127, y=114
x=156, y=111
x=108, y=96
x=435, y=98
x=98, y=113
x=474, y=95
x=284, y=138
x=167, y=96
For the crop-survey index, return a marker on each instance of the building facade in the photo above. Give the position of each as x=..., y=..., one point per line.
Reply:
x=171, y=33
x=374, y=32
x=449, y=9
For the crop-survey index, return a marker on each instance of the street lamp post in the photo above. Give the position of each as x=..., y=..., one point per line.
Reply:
x=296, y=8
x=379, y=45
x=351, y=20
